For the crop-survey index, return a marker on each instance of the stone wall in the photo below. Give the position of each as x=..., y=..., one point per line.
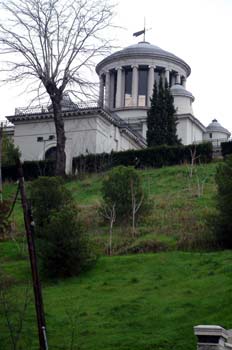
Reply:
x=213, y=337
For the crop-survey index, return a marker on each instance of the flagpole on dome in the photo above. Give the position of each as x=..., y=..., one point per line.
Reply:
x=144, y=29
x=140, y=32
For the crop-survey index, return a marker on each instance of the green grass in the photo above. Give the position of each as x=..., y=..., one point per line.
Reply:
x=140, y=301
x=137, y=302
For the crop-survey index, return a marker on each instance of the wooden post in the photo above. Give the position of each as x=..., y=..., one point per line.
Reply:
x=1, y=137
x=29, y=226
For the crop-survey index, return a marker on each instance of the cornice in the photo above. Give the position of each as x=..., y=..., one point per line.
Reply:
x=176, y=60
x=124, y=128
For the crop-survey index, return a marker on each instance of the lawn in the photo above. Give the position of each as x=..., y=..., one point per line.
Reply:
x=146, y=301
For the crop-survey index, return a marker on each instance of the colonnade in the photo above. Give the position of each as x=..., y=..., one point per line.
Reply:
x=116, y=99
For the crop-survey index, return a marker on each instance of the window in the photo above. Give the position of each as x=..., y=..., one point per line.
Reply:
x=143, y=76
x=128, y=88
x=210, y=135
x=50, y=154
x=51, y=137
x=39, y=139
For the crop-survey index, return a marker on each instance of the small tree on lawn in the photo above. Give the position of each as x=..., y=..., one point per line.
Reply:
x=109, y=213
x=63, y=248
x=161, y=119
x=122, y=187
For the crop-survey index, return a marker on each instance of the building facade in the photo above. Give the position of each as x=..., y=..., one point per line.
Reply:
x=118, y=121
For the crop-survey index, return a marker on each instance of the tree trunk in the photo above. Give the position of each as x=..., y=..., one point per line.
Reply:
x=60, y=137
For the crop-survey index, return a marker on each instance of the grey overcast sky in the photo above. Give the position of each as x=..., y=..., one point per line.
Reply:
x=198, y=31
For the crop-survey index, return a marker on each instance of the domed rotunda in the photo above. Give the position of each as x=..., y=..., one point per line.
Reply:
x=126, y=84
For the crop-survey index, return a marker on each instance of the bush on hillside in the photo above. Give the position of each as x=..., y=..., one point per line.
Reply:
x=221, y=222
x=118, y=187
x=226, y=148
x=31, y=170
x=47, y=194
x=9, y=151
x=4, y=221
x=146, y=158
x=63, y=249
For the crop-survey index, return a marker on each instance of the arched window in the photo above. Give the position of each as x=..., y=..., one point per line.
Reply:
x=50, y=154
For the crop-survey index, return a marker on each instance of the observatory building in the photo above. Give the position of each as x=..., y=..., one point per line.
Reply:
x=118, y=120
x=126, y=84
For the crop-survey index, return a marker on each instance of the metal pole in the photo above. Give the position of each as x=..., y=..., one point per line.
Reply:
x=29, y=226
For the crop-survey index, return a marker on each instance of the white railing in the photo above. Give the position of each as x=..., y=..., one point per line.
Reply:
x=48, y=109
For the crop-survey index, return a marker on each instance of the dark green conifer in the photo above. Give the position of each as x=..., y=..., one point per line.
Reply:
x=161, y=119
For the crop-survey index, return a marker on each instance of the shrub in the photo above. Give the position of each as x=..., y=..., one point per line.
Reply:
x=150, y=157
x=47, y=194
x=226, y=148
x=63, y=249
x=31, y=170
x=4, y=222
x=222, y=223
x=117, y=189
x=9, y=152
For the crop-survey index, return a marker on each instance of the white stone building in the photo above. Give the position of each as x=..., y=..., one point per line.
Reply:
x=118, y=121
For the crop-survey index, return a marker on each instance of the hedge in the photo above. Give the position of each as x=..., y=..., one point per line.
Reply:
x=150, y=157
x=31, y=170
x=226, y=148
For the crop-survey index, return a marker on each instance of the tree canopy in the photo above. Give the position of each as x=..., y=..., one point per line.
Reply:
x=161, y=118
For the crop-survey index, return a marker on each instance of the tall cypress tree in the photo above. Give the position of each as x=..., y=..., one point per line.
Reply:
x=172, y=138
x=161, y=119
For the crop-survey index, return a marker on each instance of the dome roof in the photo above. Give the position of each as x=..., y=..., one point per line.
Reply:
x=179, y=90
x=142, y=49
x=214, y=126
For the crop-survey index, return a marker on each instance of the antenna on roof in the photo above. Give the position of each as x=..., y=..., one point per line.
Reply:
x=140, y=32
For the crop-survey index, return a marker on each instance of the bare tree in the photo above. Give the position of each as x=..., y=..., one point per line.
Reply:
x=54, y=42
x=194, y=157
x=13, y=314
x=135, y=205
x=109, y=213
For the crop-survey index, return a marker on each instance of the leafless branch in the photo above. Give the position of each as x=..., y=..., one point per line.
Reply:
x=109, y=213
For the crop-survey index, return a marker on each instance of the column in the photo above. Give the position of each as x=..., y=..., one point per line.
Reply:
x=178, y=78
x=101, y=91
x=151, y=81
x=184, y=82
x=107, y=89
x=119, y=88
x=167, y=76
x=135, y=85
x=112, y=78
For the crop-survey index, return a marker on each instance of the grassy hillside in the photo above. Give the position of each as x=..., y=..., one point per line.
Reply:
x=180, y=205
x=142, y=301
